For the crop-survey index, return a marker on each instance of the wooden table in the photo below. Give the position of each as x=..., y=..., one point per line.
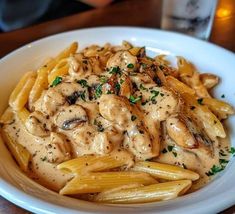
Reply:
x=129, y=12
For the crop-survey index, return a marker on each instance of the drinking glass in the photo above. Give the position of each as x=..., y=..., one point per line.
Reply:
x=192, y=17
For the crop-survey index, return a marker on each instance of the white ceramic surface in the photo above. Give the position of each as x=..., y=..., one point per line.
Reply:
x=19, y=189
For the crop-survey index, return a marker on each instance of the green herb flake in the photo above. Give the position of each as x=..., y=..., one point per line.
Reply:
x=115, y=70
x=103, y=79
x=170, y=148
x=232, y=151
x=56, y=81
x=83, y=96
x=143, y=88
x=121, y=81
x=200, y=101
x=214, y=169
x=164, y=151
x=130, y=65
x=223, y=161
x=133, y=118
x=98, y=91
x=162, y=94
x=154, y=95
x=222, y=96
x=83, y=83
x=99, y=125
x=134, y=100
x=117, y=87
x=174, y=153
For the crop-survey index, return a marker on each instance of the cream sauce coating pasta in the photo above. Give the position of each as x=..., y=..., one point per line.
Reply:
x=115, y=101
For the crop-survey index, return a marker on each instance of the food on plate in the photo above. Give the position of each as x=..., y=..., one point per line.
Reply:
x=112, y=125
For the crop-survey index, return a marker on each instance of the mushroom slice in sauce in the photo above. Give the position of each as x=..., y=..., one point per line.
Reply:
x=38, y=124
x=58, y=150
x=68, y=117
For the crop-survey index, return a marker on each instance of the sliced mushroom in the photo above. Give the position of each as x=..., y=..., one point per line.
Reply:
x=58, y=150
x=69, y=117
x=38, y=124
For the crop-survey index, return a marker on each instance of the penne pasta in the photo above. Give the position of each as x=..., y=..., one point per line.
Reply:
x=218, y=107
x=165, y=171
x=67, y=52
x=41, y=83
x=209, y=80
x=91, y=163
x=23, y=115
x=98, y=182
x=60, y=69
x=143, y=194
x=185, y=68
x=7, y=117
x=19, y=96
x=178, y=86
x=20, y=153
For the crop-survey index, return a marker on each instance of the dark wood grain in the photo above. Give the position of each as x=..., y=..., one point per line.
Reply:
x=128, y=13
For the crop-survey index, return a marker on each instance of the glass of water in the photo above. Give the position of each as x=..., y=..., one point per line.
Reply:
x=192, y=17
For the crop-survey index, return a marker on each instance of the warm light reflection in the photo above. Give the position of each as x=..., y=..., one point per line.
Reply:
x=223, y=12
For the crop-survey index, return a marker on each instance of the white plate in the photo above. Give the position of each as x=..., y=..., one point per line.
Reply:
x=19, y=189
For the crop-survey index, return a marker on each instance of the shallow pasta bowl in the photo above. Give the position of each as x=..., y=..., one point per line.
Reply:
x=16, y=187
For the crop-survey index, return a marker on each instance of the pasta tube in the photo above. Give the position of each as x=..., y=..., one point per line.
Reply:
x=19, y=152
x=165, y=171
x=98, y=182
x=7, y=117
x=90, y=163
x=23, y=115
x=218, y=107
x=143, y=194
x=19, y=96
x=178, y=86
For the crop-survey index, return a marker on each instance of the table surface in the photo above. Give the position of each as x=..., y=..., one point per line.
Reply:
x=123, y=13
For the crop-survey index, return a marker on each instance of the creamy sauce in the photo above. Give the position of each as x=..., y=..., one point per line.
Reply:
x=117, y=111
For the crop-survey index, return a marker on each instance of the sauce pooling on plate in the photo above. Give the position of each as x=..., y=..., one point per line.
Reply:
x=149, y=122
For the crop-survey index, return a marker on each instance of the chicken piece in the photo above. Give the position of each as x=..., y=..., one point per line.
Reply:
x=101, y=144
x=69, y=117
x=55, y=97
x=124, y=60
x=58, y=150
x=119, y=111
x=157, y=102
x=38, y=124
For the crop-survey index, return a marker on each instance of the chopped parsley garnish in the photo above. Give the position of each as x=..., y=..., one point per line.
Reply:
x=130, y=65
x=200, y=101
x=121, y=81
x=143, y=88
x=83, y=83
x=117, y=87
x=144, y=65
x=164, y=151
x=162, y=94
x=174, y=153
x=115, y=70
x=232, y=151
x=56, y=81
x=222, y=96
x=170, y=148
x=133, y=118
x=154, y=94
x=82, y=95
x=103, y=79
x=214, y=169
x=135, y=99
x=98, y=91
x=223, y=161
